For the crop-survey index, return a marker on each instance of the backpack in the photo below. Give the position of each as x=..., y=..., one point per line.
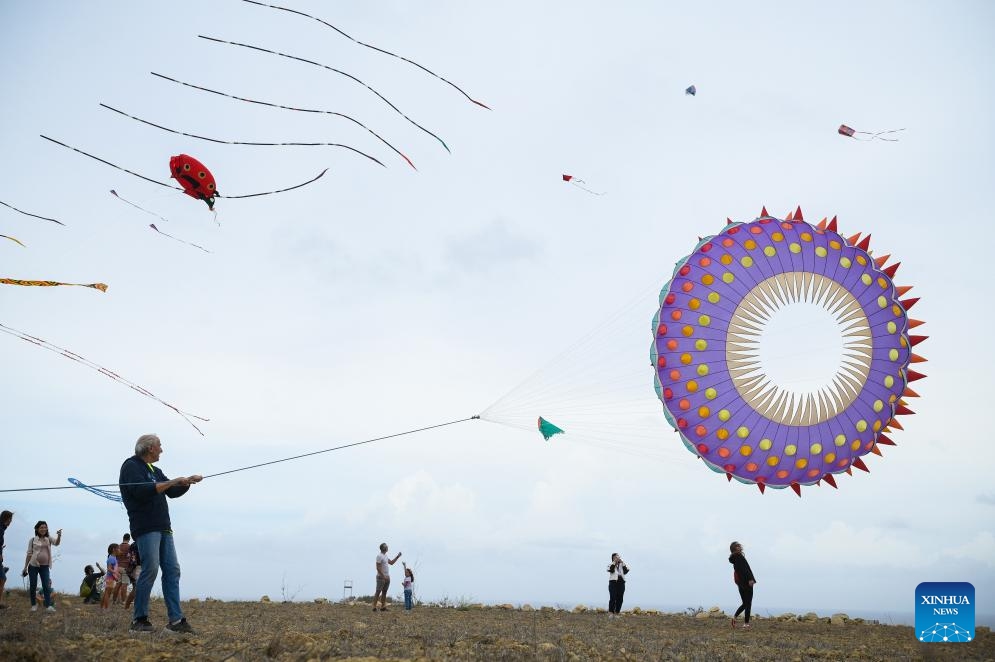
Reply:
x=84, y=589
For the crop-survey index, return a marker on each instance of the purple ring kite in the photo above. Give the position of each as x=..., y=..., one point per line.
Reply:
x=708, y=352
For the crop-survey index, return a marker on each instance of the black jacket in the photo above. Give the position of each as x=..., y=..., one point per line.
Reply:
x=147, y=510
x=742, y=574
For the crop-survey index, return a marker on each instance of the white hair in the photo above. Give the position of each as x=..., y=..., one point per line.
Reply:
x=144, y=443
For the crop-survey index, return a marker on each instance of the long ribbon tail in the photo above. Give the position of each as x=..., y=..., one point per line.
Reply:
x=584, y=188
x=282, y=190
x=877, y=135
x=301, y=110
x=129, y=202
x=16, y=241
x=241, y=142
x=338, y=71
x=20, y=211
x=97, y=158
x=104, y=371
x=107, y=494
x=49, y=283
x=152, y=225
x=372, y=47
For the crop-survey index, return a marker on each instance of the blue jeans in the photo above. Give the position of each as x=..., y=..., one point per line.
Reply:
x=157, y=551
x=407, y=598
x=46, y=583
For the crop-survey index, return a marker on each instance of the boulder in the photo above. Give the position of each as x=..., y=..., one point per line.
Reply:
x=839, y=619
x=810, y=617
x=527, y=607
x=702, y=614
x=579, y=609
x=265, y=598
x=788, y=616
x=506, y=606
x=321, y=601
x=712, y=610
x=637, y=610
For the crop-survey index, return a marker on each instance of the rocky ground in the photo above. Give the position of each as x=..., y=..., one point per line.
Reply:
x=317, y=631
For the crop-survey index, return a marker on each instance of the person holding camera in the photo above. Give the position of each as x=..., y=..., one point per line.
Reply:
x=617, y=570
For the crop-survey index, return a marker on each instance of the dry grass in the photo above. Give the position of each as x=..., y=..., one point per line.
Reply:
x=308, y=631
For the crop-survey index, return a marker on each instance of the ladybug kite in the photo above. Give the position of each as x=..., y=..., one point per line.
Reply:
x=196, y=180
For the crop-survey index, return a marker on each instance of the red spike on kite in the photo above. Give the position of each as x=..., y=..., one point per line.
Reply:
x=857, y=462
x=912, y=375
x=763, y=213
x=915, y=340
x=902, y=290
x=822, y=224
x=918, y=359
x=790, y=216
x=761, y=486
x=902, y=410
x=798, y=214
x=879, y=261
x=892, y=269
x=914, y=323
x=884, y=439
x=849, y=471
x=876, y=450
x=909, y=393
x=854, y=239
x=728, y=221
x=908, y=303
x=829, y=479
x=729, y=477
x=893, y=423
x=865, y=243
x=832, y=225
x=797, y=488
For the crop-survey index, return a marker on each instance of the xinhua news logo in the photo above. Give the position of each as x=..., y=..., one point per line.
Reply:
x=945, y=612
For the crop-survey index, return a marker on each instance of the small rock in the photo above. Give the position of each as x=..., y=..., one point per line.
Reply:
x=579, y=609
x=712, y=610
x=702, y=614
x=527, y=607
x=321, y=601
x=506, y=606
x=839, y=619
x=265, y=598
x=811, y=616
x=788, y=616
x=637, y=610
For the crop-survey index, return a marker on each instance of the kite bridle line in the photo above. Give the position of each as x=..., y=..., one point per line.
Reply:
x=254, y=466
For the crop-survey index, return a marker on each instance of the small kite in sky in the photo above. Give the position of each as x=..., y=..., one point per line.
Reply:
x=49, y=283
x=547, y=429
x=16, y=241
x=44, y=218
x=152, y=225
x=73, y=356
x=691, y=90
x=370, y=46
x=194, y=195
x=844, y=130
x=161, y=218
x=579, y=183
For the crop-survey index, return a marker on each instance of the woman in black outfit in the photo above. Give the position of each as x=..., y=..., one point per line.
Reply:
x=616, y=584
x=744, y=579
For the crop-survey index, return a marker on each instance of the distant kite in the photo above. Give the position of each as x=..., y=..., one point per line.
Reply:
x=370, y=46
x=547, y=429
x=844, y=130
x=189, y=189
x=16, y=241
x=44, y=218
x=49, y=283
x=691, y=90
x=579, y=183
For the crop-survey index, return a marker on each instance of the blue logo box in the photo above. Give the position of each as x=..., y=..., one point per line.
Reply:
x=945, y=612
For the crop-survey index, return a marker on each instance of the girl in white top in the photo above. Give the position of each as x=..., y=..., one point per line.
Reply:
x=38, y=562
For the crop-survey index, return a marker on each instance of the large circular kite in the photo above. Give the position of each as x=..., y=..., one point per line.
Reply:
x=714, y=370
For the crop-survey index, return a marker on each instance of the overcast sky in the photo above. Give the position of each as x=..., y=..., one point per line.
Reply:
x=378, y=300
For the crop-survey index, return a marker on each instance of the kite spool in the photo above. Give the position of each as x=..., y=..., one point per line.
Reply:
x=717, y=391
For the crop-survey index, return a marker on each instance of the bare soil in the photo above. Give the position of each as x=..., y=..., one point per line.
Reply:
x=321, y=631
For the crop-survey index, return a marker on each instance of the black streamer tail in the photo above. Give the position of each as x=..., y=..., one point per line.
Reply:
x=19, y=211
x=338, y=71
x=372, y=47
x=240, y=142
x=301, y=110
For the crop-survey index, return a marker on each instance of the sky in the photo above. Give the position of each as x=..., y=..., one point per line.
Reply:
x=383, y=299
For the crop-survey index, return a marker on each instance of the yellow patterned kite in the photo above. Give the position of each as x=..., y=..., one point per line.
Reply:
x=49, y=283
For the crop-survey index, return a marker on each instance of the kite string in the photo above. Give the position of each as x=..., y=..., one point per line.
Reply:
x=261, y=464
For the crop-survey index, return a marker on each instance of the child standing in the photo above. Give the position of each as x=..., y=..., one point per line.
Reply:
x=110, y=579
x=408, y=584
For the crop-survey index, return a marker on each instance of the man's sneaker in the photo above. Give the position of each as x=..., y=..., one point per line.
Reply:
x=34, y=607
x=50, y=609
x=181, y=627
x=141, y=625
